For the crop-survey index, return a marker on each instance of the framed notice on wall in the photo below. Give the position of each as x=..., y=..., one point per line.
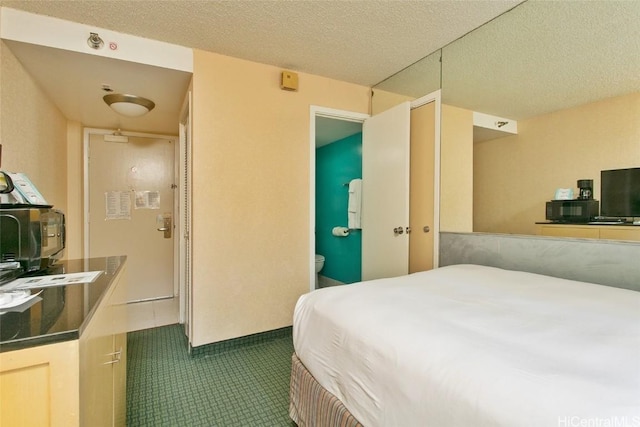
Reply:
x=117, y=205
x=147, y=200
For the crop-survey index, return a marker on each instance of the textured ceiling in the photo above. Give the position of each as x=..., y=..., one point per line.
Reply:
x=545, y=56
x=539, y=57
x=356, y=41
x=74, y=81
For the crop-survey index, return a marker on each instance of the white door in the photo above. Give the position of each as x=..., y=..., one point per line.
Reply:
x=131, y=202
x=385, y=193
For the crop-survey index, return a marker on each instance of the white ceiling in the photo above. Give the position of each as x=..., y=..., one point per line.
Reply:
x=539, y=57
x=545, y=56
x=74, y=81
x=356, y=41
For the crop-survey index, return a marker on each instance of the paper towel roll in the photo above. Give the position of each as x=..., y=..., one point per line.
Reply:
x=340, y=231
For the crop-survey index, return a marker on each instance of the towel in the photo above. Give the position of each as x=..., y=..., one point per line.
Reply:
x=355, y=204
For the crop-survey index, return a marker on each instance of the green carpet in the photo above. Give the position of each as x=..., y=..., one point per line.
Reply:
x=243, y=386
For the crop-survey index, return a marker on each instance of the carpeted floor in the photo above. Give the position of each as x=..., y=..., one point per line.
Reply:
x=245, y=385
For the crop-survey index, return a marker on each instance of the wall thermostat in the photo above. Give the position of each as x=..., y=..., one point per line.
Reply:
x=289, y=81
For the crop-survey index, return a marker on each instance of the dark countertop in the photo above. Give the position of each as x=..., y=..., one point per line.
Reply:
x=64, y=311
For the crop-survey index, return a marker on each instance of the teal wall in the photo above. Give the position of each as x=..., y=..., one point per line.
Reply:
x=336, y=164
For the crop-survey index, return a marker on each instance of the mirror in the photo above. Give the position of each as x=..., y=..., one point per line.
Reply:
x=566, y=75
x=419, y=79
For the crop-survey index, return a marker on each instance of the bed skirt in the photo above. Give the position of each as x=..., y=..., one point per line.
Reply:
x=310, y=405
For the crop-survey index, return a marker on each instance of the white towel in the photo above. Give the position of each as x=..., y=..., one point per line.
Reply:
x=355, y=204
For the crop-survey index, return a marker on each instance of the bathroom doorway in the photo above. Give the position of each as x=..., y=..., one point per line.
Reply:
x=338, y=178
x=388, y=216
x=335, y=134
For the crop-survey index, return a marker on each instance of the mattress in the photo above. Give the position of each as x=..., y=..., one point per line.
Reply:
x=469, y=345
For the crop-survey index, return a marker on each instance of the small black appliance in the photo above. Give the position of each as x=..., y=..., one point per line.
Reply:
x=572, y=211
x=586, y=189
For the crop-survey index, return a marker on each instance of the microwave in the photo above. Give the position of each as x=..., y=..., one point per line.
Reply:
x=578, y=211
x=33, y=236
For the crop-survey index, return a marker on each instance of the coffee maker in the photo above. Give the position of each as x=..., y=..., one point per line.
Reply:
x=585, y=187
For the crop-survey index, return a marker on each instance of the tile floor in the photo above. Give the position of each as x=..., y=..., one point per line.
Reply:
x=151, y=314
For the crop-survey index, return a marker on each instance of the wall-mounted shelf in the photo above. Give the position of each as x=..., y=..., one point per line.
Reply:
x=486, y=127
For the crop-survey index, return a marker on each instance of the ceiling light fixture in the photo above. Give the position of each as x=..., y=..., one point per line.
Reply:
x=129, y=105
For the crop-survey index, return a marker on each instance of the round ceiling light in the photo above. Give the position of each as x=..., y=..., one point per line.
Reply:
x=129, y=105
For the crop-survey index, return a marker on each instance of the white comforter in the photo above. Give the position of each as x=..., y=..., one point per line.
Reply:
x=474, y=346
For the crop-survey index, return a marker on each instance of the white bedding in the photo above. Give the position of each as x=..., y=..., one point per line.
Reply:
x=469, y=345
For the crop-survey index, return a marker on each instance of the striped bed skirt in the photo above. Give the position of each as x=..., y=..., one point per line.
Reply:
x=310, y=405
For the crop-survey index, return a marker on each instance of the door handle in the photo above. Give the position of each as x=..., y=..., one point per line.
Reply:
x=398, y=230
x=426, y=229
x=164, y=222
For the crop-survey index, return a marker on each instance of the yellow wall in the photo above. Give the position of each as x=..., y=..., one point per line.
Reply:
x=251, y=192
x=456, y=170
x=33, y=133
x=251, y=182
x=514, y=176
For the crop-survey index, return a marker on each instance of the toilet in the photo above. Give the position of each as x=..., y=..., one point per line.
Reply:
x=319, y=265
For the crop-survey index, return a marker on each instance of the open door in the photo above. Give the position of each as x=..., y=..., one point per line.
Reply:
x=395, y=141
x=385, y=193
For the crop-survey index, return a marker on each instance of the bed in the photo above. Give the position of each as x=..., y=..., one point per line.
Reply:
x=467, y=345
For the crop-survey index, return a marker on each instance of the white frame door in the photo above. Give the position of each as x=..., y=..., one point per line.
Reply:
x=95, y=131
x=385, y=193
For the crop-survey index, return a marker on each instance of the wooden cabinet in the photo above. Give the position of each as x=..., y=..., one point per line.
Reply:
x=620, y=233
x=610, y=232
x=120, y=382
x=120, y=328
x=103, y=350
x=39, y=386
x=78, y=382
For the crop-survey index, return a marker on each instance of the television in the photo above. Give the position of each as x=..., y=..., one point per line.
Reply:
x=620, y=193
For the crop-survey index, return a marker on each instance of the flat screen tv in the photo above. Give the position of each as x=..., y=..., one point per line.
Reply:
x=620, y=193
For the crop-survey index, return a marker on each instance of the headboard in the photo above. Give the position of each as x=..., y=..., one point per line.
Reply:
x=605, y=262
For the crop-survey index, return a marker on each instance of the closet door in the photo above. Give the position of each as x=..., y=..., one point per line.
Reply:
x=385, y=193
x=422, y=188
